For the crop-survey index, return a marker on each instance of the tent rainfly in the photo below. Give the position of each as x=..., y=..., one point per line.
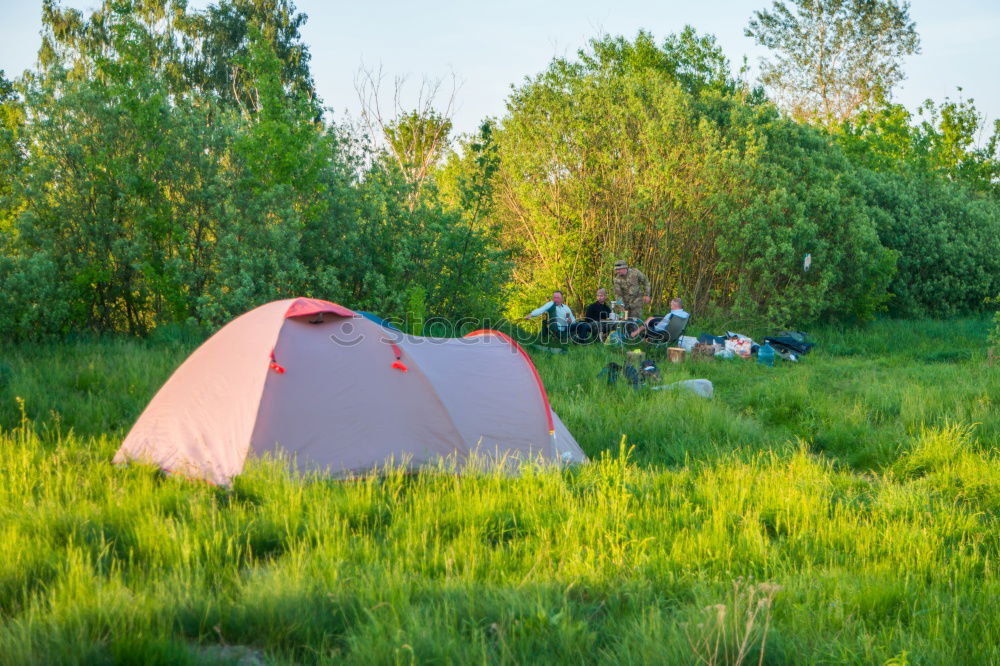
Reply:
x=340, y=394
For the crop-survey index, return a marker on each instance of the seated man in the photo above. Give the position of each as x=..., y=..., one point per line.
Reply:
x=656, y=327
x=561, y=322
x=595, y=318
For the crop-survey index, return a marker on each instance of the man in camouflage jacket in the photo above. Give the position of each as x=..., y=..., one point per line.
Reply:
x=631, y=288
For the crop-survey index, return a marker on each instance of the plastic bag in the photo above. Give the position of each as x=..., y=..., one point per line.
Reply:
x=740, y=346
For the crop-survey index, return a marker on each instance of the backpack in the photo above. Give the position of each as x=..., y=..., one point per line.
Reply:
x=634, y=377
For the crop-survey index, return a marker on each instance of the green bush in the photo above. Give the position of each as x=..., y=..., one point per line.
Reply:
x=712, y=194
x=151, y=198
x=936, y=203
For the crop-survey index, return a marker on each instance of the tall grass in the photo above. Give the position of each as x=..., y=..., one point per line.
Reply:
x=857, y=491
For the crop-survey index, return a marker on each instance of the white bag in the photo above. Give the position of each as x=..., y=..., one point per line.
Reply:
x=740, y=346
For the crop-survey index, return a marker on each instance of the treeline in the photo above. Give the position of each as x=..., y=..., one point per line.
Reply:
x=658, y=154
x=164, y=165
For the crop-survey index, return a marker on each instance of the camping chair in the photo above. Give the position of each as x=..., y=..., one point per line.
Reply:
x=550, y=337
x=584, y=332
x=675, y=329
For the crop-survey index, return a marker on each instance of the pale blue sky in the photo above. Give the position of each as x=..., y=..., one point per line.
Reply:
x=490, y=46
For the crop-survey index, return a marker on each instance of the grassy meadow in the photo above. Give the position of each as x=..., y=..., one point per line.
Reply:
x=843, y=509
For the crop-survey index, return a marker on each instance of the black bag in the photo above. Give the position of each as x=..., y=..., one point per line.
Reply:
x=612, y=370
x=648, y=371
x=795, y=344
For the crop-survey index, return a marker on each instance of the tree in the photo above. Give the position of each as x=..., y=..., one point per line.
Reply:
x=951, y=133
x=220, y=40
x=466, y=187
x=284, y=169
x=950, y=139
x=833, y=57
x=11, y=150
x=935, y=188
x=116, y=176
x=161, y=165
x=694, y=61
x=716, y=197
x=415, y=139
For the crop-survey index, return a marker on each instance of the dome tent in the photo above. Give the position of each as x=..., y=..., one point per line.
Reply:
x=378, y=320
x=340, y=394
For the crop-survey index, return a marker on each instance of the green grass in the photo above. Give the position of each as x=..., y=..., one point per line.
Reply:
x=846, y=504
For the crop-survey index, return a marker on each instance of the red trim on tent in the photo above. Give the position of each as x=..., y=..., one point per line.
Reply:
x=274, y=364
x=304, y=307
x=398, y=364
x=527, y=359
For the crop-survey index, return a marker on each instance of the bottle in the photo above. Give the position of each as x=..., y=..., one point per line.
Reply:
x=765, y=355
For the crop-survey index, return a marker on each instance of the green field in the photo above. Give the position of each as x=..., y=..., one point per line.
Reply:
x=839, y=510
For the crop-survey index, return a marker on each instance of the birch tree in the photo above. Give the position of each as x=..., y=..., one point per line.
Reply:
x=832, y=58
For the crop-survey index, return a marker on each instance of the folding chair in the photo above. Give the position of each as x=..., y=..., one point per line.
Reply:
x=675, y=329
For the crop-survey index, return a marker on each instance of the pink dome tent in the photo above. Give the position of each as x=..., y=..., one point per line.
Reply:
x=342, y=395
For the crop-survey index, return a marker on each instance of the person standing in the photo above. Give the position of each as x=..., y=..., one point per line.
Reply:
x=631, y=288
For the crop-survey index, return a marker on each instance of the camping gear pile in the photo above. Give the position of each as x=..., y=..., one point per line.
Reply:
x=787, y=345
x=646, y=375
x=790, y=345
x=638, y=370
x=641, y=372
